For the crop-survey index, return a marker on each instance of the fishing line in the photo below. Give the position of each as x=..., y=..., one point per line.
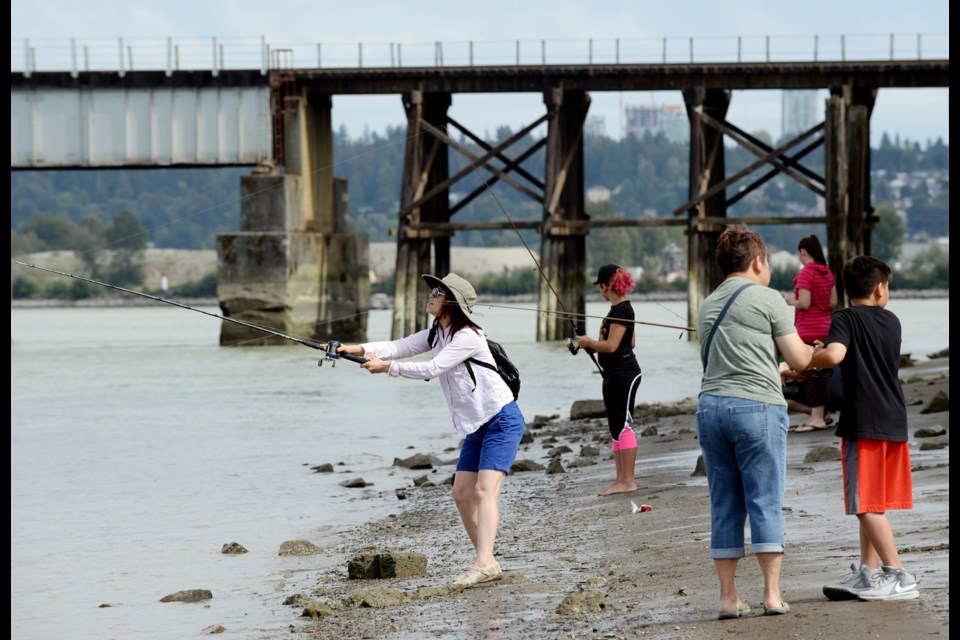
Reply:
x=586, y=315
x=576, y=315
x=329, y=347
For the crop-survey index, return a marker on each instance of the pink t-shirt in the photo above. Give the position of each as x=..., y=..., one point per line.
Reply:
x=813, y=323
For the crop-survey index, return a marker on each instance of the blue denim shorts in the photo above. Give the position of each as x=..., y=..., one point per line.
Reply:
x=744, y=444
x=495, y=444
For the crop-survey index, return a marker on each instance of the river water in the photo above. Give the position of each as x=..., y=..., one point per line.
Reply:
x=139, y=447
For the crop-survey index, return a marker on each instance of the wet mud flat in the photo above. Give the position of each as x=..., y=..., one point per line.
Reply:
x=581, y=566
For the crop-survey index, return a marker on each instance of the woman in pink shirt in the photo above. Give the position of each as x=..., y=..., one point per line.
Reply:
x=814, y=297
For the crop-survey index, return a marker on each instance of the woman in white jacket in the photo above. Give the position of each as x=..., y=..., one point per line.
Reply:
x=481, y=405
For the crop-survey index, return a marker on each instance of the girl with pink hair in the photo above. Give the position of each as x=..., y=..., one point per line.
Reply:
x=621, y=372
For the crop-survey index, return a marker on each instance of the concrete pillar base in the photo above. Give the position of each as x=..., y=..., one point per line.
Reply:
x=282, y=273
x=304, y=284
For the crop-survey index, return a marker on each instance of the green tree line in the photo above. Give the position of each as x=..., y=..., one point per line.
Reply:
x=111, y=251
x=646, y=177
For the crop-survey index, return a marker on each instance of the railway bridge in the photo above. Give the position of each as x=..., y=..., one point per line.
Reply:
x=295, y=265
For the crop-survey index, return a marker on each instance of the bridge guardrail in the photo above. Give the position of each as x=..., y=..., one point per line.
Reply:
x=214, y=54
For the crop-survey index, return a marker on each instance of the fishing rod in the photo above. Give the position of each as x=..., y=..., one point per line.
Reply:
x=486, y=186
x=329, y=348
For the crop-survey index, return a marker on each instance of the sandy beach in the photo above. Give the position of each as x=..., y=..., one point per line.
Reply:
x=580, y=566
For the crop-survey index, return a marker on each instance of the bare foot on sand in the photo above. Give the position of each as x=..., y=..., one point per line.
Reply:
x=811, y=426
x=618, y=488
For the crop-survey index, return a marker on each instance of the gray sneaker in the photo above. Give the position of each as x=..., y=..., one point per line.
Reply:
x=850, y=587
x=892, y=584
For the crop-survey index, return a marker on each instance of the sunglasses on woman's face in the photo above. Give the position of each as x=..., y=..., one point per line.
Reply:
x=437, y=292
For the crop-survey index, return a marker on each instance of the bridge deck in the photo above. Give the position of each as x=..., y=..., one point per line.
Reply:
x=532, y=78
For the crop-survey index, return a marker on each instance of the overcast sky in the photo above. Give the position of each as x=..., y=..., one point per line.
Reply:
x=494, y=26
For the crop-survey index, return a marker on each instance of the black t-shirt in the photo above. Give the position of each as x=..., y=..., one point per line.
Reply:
x=873, y=403
x=622, y=359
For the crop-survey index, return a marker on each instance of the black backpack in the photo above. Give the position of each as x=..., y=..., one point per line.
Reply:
x=507, y=370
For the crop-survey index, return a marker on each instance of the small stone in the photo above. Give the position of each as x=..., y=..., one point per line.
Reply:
x=299, y=548
x=189, y=595
x=700, y=469
x=525, y=465
x=417, y=461
x=317, y=610
x=394, y=564
x=938, y=403
x=363, y=567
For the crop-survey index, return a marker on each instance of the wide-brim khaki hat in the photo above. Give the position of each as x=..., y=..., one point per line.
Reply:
x=462, y=291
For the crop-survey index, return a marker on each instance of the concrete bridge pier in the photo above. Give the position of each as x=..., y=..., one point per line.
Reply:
x=295, y=266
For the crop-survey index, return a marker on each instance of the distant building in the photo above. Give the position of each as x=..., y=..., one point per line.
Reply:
x=673, y=262
x=595, y=126
x=800, y=110
x=670, y=120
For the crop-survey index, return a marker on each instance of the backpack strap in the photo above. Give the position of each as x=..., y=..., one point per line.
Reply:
x=716, y=323
x=482, y=364
x=432, y=337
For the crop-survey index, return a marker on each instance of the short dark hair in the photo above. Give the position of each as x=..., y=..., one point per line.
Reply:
x=737, y=246
x=862, y=274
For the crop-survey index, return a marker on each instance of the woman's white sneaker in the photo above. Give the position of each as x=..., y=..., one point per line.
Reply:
x=477, y=575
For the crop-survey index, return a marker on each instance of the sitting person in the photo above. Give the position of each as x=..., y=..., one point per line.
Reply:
x=795, y=393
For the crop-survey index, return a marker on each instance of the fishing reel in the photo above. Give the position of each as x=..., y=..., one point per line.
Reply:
x=572, y=345
x=330, y=355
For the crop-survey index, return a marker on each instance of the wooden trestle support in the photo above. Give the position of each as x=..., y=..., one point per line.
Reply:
x=425, y=227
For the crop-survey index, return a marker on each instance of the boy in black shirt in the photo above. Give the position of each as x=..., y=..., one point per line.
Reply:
x=864, y=339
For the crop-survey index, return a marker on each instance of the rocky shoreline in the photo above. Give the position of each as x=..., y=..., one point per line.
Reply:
x=580, y=566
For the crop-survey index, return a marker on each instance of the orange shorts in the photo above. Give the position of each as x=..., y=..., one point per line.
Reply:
x=876, y=475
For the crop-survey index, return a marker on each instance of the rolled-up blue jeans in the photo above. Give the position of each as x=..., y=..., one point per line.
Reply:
x=744, y=445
